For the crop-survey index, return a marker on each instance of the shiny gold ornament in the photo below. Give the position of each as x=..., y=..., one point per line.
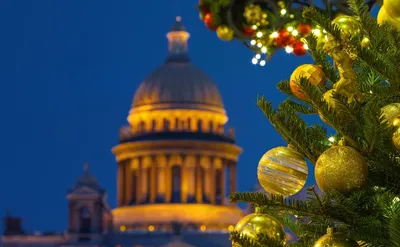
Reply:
x=313, y=73
x=384, y=17
x=330, y=101
x=365, y=42
x=341, y=168
x=282, y=171
x=392, y=8
x=347, y=85
x=336, y=239
x=257, y=223
x=225, y=33
x=396, y=139
x=390, y=112
x=348, y=25
x=253, y=14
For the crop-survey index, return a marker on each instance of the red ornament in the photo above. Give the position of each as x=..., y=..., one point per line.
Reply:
x=248, y=30
x=304, y=29
x=283, y=38
x=291, y=40
x=299, y=49
x=209, y=23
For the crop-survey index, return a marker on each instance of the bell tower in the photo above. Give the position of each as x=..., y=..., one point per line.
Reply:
x=89, y=215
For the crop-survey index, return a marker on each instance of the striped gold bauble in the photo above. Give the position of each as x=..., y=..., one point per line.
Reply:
x=282, y=171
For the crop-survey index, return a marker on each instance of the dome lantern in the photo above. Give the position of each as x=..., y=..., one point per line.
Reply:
x=178, y=41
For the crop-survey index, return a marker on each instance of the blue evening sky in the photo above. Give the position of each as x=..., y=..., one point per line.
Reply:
x=68, y=71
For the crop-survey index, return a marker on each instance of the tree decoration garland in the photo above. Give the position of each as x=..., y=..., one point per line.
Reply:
x=266, y=26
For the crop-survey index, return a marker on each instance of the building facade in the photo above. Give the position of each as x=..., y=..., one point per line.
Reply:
x=176, y=165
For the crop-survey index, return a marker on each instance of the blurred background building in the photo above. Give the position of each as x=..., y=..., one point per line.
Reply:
x=176, y=166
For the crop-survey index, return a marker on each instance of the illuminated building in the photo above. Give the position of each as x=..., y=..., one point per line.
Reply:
x=176, y=166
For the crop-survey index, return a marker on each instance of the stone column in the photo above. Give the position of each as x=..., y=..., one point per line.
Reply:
x=198, y=182
x=128, y=183
x=161, y=177
x=232, y=177
x=184, y=179
x=120, y=184
x=168, y=180
x=191, y=176
x=139, y=182
x=144, y=177
x=222, y=183
x=211, y=174
x=154, y=185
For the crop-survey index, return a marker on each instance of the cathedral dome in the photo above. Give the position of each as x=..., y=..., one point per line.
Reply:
x=178, y=82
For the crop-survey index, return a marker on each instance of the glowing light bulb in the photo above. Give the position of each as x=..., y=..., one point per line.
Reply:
x=254, y=61
x=253, y=42
x=274, y=35
x=370, y=91
x=262, y=62
x=259, y=45
x=203, y=228
x=295, y=33
x=150, y=228
x=283, y=11
x=289, y=49
x=264, y=49
x=290, y=29
x=254, y=27
x=258, y=56
x=331, y=139
x=316, y=32
x=305, y=46
x=259, y=34
x=291, y=16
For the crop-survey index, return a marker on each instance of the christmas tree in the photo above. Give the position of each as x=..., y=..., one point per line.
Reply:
x=354, y=87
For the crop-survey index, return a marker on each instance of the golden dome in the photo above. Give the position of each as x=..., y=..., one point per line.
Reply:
x=178, y=83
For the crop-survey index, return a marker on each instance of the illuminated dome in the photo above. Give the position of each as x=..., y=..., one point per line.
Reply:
x=178, y=83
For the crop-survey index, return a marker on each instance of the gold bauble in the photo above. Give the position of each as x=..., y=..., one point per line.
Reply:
x=390, y=112
x=384, y=17
x=336, y=239
x=348, y=25
x=392, y=7
x=365, y=42
x=282, y=171
x=256, y=223
x=396, y=139
x=225, y=33
x=313, y=73
x=341, y=168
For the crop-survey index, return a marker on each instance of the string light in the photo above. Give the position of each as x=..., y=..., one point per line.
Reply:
x=264, y=49
x=259, y=34
x=283, y=11
x=305, y=46
x=290, y=29
x=254, y=61
x=274, y=35
x=262, y=62
x=331, y=139
x=259, y=45
x=316, y=32
x=295, y=32
x=253, y=42
x=289, y=49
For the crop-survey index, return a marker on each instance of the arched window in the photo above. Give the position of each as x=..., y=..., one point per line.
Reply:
x=218, y=189
x=85, y=221
x=176, y=183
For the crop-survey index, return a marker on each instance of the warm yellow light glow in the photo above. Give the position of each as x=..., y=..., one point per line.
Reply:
x=295, y=32
x=316, y=32
x=254, y=61
x=253, y=42
x=291, y=16
x=264, y=49
x=262, y=62
x=259, y=45
x=258, y=56
x=231, y=228
x=283, y=11
x=274, y=35
x=331, y=139
x=150, y=228
x=203, y=228
x=122, y=228
x=254, y=27
x=305, y=46
x=290, y=29
x=259, y=34
x=289, y=49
